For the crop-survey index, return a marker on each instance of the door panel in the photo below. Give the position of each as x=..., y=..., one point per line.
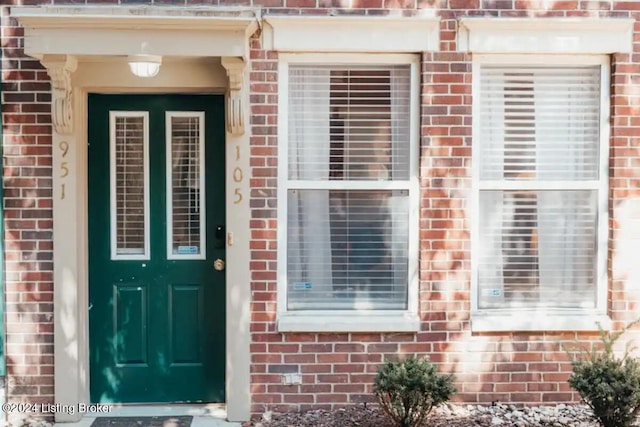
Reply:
x=130, y=323
x=156, y=199
x=187, y=307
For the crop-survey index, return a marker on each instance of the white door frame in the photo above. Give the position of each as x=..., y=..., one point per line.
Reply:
x=73, y=43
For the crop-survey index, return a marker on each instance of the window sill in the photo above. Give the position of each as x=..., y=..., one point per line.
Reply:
x=348, y=322
x=538, y=321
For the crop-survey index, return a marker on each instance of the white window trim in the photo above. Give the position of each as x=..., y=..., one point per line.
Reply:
x=112, y=181
x=539, y=321
x=356, y=34
x=535, y=319
x=348, y=320
x=548, y=35
x=169, y=184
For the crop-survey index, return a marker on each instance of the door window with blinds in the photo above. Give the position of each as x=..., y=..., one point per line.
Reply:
x=540, y=158
x=348, y=183
x=129, y=152
x=185, y=173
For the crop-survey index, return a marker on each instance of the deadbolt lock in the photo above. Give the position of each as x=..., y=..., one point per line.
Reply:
x=218, y=264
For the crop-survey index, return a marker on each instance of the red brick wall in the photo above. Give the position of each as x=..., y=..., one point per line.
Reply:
x=520, y=367
x=337, y=369
x=27, y=220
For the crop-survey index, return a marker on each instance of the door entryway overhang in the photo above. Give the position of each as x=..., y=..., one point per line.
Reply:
x=85, y=49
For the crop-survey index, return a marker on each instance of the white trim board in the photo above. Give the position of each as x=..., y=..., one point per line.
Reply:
x=364, y=34
x=548, y=35
x=348, y=321
x=539, y=321
x=166, y=31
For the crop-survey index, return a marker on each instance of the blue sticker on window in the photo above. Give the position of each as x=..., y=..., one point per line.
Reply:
x=187, y=250
x=492, y=292
x=301, y=286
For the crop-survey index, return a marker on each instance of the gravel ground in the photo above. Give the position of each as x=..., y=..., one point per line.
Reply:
x=444, y=416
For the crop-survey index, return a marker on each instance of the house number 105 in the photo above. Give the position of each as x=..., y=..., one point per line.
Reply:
x=238, y=176
x=64, y=167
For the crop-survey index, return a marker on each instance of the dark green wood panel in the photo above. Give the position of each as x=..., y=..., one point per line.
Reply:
x=186, y=314
x=170, y=337
x=130, y=323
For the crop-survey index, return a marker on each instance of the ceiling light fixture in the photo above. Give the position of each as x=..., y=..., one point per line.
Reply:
x=144, y=65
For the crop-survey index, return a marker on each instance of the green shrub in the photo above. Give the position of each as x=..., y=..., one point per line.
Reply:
x=608, y=384
x=409, y=389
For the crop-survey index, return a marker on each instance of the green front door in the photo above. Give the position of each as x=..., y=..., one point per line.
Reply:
x=156, y=242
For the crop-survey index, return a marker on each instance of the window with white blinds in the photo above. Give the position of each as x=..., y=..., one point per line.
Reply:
x=541, y=180
x=129, y=152
x=185, y=172
x=348, y=186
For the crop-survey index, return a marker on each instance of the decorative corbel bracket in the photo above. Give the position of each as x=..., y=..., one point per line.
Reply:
x=59, y=70
x=235, y=107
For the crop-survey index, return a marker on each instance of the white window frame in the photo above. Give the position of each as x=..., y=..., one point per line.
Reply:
x=112, y=181
x=510, y=319
x=169, y=184
x=354, y=320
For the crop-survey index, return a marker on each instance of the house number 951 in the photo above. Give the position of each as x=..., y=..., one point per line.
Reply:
x=64, y=166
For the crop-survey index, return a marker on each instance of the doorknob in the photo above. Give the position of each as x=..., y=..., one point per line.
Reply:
x=218, y=264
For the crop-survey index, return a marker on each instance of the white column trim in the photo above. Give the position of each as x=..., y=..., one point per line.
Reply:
x=238, y=304
x=234, y=109
x=546, y=35
x=59, y=70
